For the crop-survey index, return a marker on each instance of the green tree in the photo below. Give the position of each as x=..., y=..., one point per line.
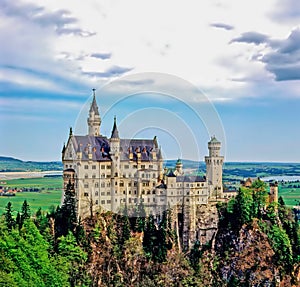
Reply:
x=10, y=222
x=66, y=216
x=75, y=259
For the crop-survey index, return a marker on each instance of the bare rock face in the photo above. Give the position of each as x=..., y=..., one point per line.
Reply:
x=247, y=257
x=206, y=222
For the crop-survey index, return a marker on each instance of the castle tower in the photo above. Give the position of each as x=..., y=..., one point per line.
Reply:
x=179, y=168
x=94, y=120
x=273, y=195
x=115, y=165
x=214, y=167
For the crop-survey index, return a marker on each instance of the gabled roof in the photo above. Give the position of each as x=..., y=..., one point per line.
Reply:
x=190, y=178
x=99, y=147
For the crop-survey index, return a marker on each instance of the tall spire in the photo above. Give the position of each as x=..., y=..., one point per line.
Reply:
x=94, y=120
x=115, y=132
x=94, y=107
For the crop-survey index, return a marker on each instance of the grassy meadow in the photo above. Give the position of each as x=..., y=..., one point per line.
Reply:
x=49, y=195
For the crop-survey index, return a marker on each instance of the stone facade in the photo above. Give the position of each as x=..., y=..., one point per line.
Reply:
x=109, y=173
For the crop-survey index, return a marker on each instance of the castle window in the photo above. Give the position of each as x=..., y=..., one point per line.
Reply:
x=154, y=175
x=93, y=176
x=129, y=184
x=97, y=202
x=86, y=176
x=134, y=166
x=148, y=199
x=102, y=193
x=129, y=200
x=102, y=184
x=108, y=193
x=143, y=166
x=108, y=201
x=153, y=191
x=102, y=201
x=93, y=167
x=121, y=183
x=135, y=183
x=135, y=192
x=86, y=167
x=134, y=200
x=96, y=193
x=129, y=192
x=108, y=184
x=116, y=200
x=86, y=194
x=123, y=191
x=126, y=166
x=102, y=166
x=108, y=167
x=153, y=199
x=96, y=184
x=150, y=166
x=143, y=191
x=143, y=175
x=86, y=185
x=116, y=183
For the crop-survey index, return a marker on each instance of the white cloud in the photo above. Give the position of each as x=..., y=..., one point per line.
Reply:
x=158, y=36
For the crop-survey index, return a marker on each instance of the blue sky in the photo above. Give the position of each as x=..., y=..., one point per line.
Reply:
x=238, y=61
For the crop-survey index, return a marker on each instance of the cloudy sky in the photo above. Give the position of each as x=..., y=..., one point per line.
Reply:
x=244, y=57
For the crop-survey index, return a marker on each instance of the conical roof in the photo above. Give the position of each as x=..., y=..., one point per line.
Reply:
x=115, y=132
x=94, y=107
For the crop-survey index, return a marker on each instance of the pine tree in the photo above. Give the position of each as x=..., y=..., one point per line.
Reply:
x=66, y=215
x=10, y=222
x=25, y=210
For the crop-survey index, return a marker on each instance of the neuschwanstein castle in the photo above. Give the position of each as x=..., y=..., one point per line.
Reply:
x=110, y=172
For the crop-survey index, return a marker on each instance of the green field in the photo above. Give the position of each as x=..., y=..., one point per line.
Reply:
x=291, y=196
x=49, y=195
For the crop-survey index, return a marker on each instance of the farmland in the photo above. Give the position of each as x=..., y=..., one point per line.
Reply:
x=42, y=192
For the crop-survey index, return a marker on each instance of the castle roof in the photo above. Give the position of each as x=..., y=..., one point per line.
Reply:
x=190, y=178
x=115, y=132
x=214, y=140
x=99, y=147
x=94, y=107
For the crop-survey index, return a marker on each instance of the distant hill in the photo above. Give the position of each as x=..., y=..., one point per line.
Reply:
x=232, y=170
x=241, y=170
x=10, y=164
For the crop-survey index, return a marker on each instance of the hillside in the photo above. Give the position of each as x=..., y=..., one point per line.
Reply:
x=10, y=164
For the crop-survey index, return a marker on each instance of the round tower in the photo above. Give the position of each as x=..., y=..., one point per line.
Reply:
x=214, y=168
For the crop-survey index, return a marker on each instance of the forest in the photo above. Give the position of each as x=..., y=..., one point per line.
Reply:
x=257, y=244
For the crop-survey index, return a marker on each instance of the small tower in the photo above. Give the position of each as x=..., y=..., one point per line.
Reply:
x=273, y=194
x=214, y=168
x=179, y=168
x=94, y=120
x=115, y=157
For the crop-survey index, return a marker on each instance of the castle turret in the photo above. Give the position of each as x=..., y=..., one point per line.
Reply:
x=214, y=168
x=115, y=156
x=273, y=195
x=179, y=168
x=94, y=120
